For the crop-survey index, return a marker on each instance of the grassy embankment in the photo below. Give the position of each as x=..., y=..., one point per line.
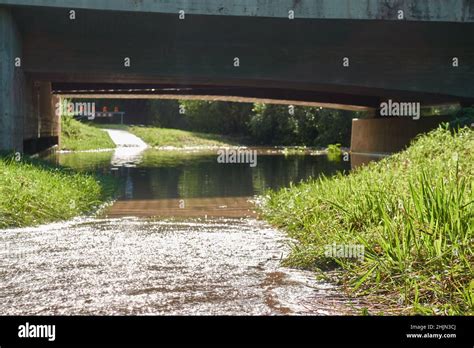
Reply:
x=414, y=214
x=33, y=192
x=77, y=136
x=160, y=137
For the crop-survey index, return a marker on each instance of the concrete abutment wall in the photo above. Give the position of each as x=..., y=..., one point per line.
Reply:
x=27, y=117
x=12, y=84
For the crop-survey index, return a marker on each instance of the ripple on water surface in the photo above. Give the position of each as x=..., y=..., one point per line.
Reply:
x=145, y=266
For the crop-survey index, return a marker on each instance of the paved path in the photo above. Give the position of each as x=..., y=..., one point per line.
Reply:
x=129, y=148
x=123, y=138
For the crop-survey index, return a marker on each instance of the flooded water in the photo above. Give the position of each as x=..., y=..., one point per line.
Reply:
x=183, y=238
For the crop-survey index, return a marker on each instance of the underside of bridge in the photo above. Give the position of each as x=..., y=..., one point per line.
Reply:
x=125, y=53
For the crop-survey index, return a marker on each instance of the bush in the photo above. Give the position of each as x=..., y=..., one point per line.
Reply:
x=217, y=117
x=308, y=126
x=463, y=118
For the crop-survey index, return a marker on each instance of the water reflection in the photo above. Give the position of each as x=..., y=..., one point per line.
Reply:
x=193, y=183
x=84, y=161
x=173, y=174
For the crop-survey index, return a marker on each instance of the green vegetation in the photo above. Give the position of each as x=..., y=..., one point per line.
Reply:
x=464, y=117
x=269, y=124
x=178, y=138
x=33, y=192
x=158, y=137
x=334, y=152
x=414, y=214
x=77, y=136
x=334, y=149
x=216, y=117
x=263, y=124
x=309, y=126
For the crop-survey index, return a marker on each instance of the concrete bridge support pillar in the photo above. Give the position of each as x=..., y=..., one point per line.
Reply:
x=41, y=122
x=27, y=116
x=56, y=126
x=12, y=84
x=387, y=135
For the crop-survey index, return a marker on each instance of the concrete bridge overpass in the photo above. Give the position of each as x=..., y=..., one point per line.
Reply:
x=344, y=53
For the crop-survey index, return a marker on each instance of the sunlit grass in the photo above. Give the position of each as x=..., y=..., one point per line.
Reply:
x=161, y=137
x=77, y=136
x=33, y=192
x=414, y=214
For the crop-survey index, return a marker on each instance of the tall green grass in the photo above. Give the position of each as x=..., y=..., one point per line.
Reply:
x=33, y=192
x=77, y=136
x=414, y=214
